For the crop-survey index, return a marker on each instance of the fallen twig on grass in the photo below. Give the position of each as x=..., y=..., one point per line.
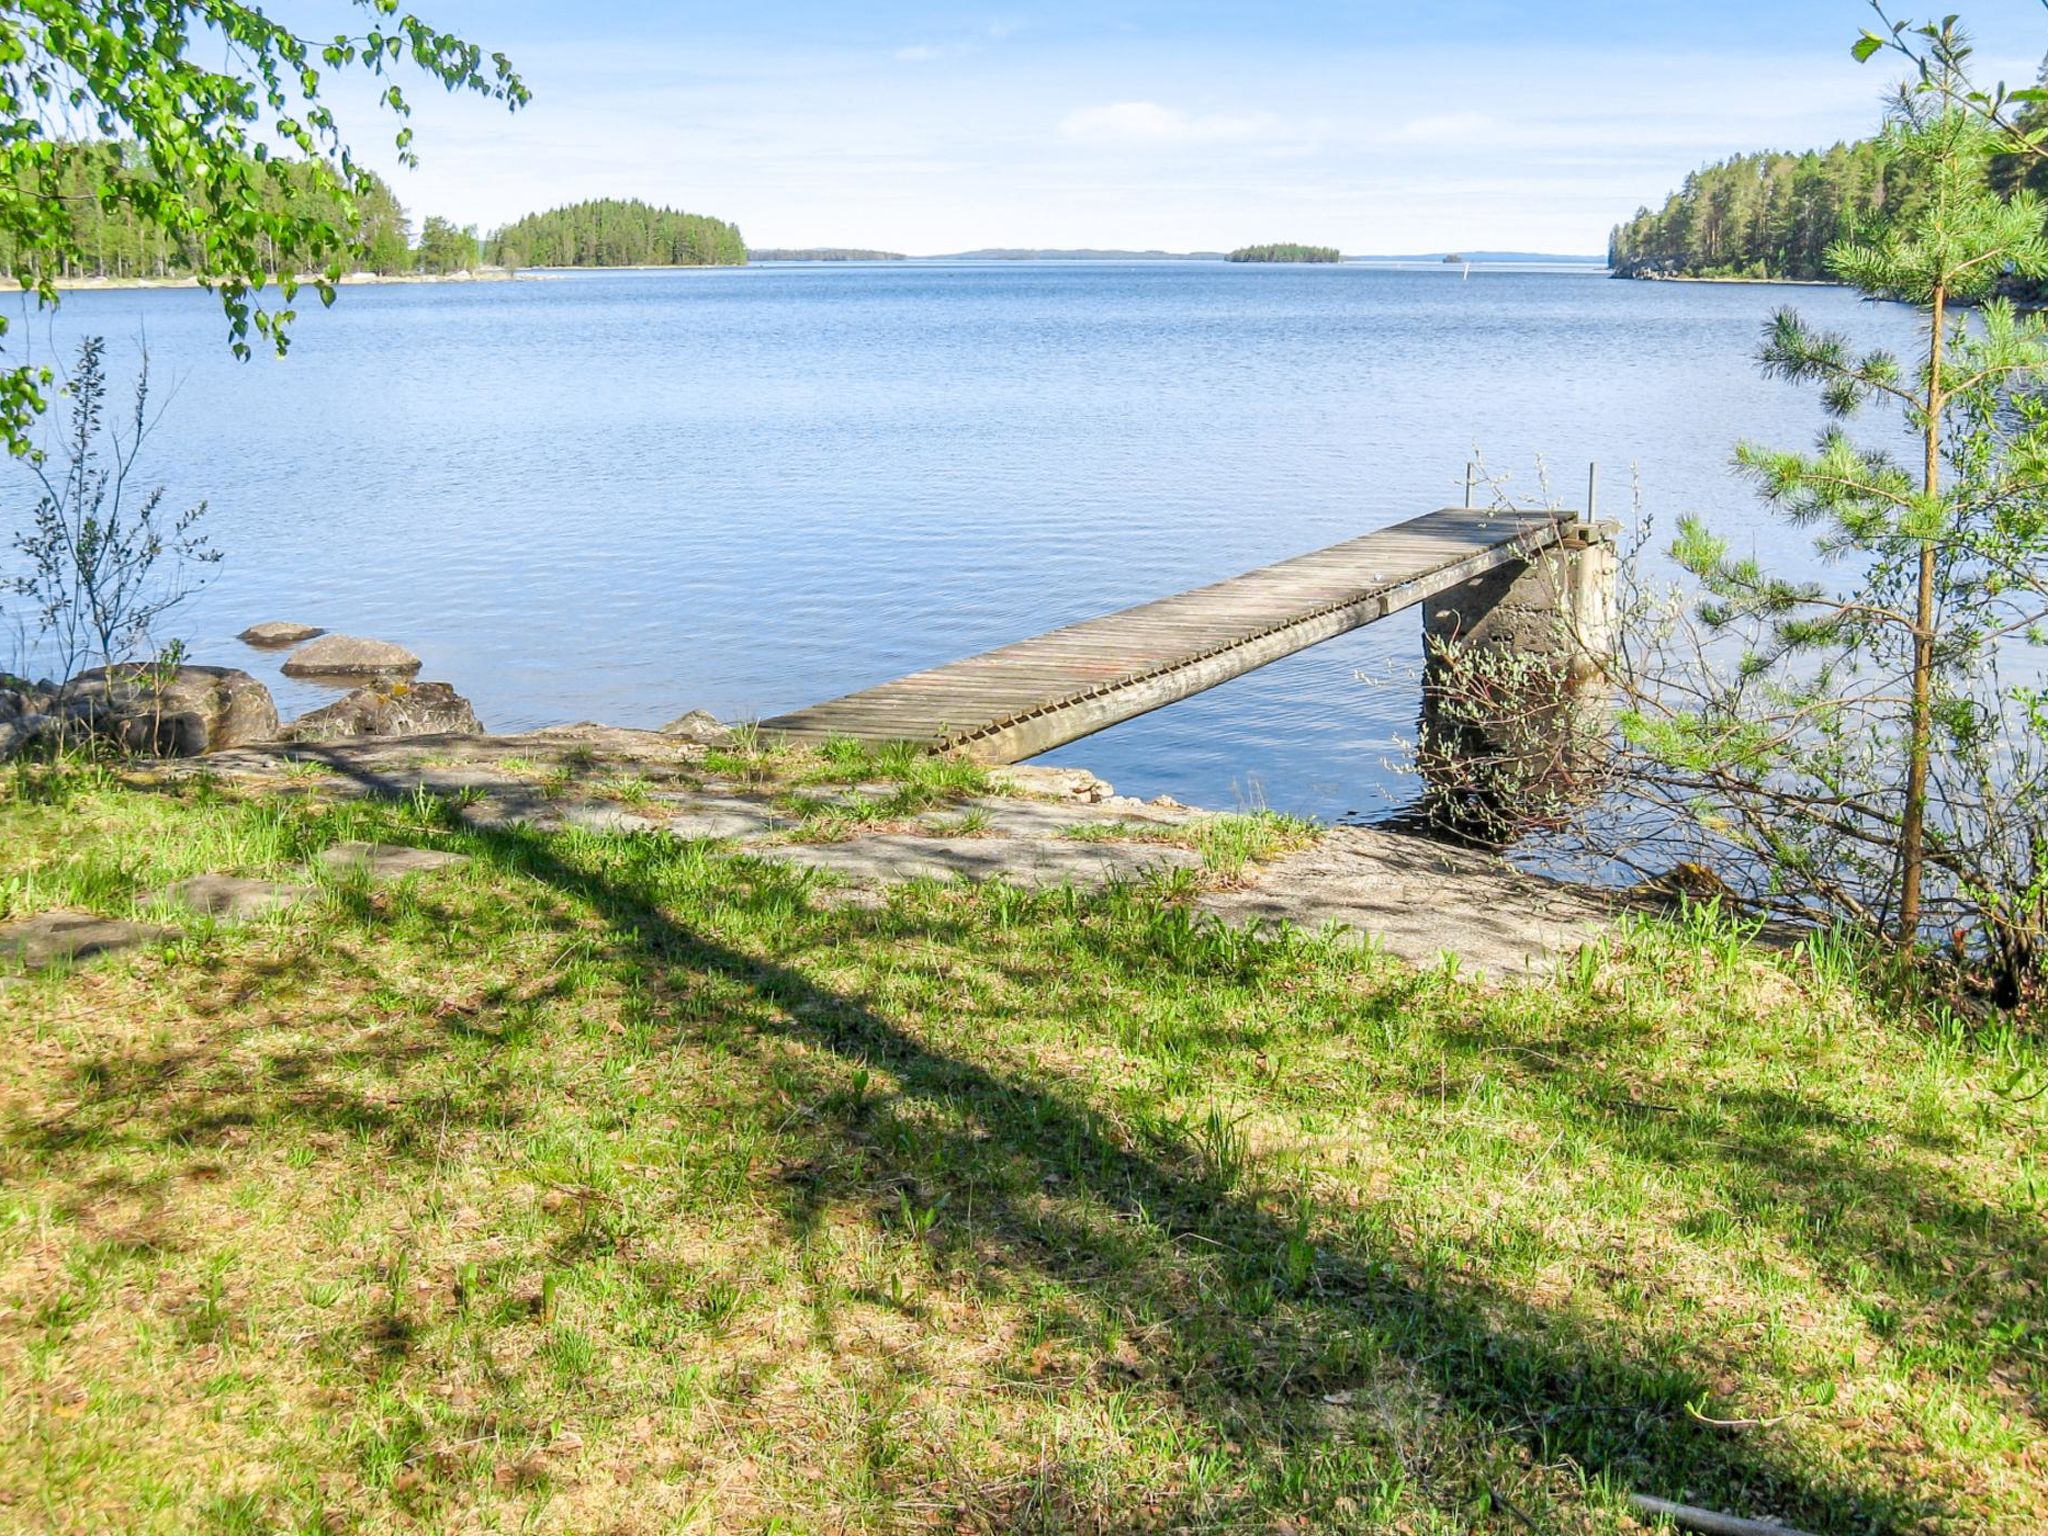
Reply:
x=1706, y=1521
x=1735, y=1423
x=1514, y=1509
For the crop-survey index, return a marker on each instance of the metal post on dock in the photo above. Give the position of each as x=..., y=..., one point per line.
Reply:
x=1593, y=492
x=1469, y=468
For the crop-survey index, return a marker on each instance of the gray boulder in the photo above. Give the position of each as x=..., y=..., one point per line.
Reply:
x=169, y=712
x=273, y=633
x=350, y=656
x=700, y=727
x=20, y=697
x=24, y=732
x=387, y=707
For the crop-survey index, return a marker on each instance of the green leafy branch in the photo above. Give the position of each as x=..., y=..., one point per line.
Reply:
x=241, y=165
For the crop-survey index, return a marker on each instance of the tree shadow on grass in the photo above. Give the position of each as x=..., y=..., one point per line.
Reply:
x=1840, y=1190
x=1252, y=1324
x=1135, y=1215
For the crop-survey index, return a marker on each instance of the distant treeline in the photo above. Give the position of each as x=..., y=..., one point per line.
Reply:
x=825, y=253
x=1763, y=215
x=1038, y=253
x=1321, y=253
x=98, y=183
x=612, y=233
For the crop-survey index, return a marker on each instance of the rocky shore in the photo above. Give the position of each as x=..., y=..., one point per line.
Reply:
x=698, y=779
x=176, y=710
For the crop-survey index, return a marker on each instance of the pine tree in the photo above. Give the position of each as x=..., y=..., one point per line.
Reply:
x=1822, y=749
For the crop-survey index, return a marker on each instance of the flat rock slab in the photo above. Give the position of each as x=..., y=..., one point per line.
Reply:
x=724, y=816
x=507, y=807
x=53, y=937
x=384, y=765
x=273, y=633
x=1050, y=818
x=1035, y=861
x=387, y=861
x=846, y=794
x=586, y=817
x=232, y=898
x=695, y=816
x=350, y=656
x=1418, y=899
x=1421, y=900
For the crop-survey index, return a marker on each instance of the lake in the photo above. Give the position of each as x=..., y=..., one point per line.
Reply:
x=619, y=496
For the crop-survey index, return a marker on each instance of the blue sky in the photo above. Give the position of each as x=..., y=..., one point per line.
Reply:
x=928, y=127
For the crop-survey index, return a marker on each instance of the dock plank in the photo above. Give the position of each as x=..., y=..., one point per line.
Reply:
x=1031, y=695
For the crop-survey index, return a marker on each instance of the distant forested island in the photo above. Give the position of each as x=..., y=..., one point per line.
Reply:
x=609, y=232
x=1762, y=216
x=1296, y=253
x=824, y=253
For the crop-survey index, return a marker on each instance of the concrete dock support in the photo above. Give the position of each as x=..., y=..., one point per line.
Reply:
x=1559, y=604
x=1513, y=696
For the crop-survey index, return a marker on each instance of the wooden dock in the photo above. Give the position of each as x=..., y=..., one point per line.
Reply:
x=1020, y=700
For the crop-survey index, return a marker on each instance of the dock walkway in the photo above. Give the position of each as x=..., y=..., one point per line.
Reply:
x=1026, y=698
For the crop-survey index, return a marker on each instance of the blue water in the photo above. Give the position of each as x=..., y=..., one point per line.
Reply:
x=621, y=496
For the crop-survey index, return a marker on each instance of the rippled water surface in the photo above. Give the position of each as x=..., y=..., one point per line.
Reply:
x=620, y=496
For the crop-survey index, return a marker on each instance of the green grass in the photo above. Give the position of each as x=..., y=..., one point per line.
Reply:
x=610, y=1185
x=626, y=788
x=916, y=782
x=843, y=760
x=1229, y=843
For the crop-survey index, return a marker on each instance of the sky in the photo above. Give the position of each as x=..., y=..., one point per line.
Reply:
x=926, y=127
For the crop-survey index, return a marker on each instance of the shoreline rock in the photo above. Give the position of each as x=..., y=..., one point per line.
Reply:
x=1059, y=783
x=388, y=708
x=1417, y=898
x=272, y=634
x=699, y=726
x=180, y=712
x=26, y=731
x=350, y=656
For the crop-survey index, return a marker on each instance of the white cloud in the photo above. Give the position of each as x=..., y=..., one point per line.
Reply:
x=1448, y=128
x=1147, y=124
x=920, y=53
